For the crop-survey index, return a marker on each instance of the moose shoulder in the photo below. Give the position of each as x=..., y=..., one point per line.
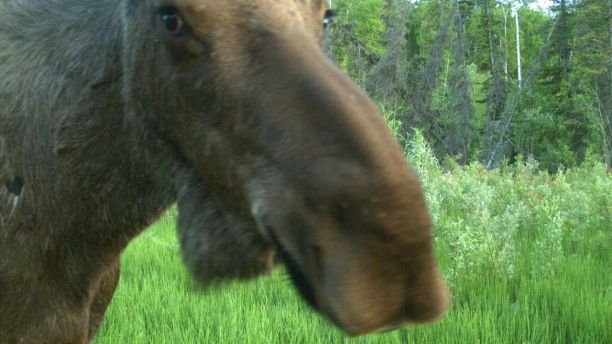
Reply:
x=110, y=111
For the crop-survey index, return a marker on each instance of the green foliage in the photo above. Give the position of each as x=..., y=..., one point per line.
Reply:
x=591, y=45
x=358, y=35
x=424, y=20
x=459, y=83
x=541, y=136
x=478, y=91
x=534, y=27
x=490, y=220
x=365, y=17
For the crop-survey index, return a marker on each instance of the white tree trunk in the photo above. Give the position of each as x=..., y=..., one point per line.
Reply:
x=610, y=56
x=515, y=8
x=506, y=42
x=608, y=134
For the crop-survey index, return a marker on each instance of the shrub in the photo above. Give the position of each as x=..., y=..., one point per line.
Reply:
x=513, y=217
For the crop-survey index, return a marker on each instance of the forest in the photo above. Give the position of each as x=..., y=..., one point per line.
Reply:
x=486, y=80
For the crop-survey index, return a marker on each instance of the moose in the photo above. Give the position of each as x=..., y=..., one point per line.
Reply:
x=111, y=111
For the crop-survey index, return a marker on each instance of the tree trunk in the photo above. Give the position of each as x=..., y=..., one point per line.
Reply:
x=460, y=107
x=518, y=45
x=506, y=43
x=610, y=55
x=489, y=20
x=421, y=99
x=608, y=109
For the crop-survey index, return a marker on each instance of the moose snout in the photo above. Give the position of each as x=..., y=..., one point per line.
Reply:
x=361, y=281
x=364, y=292
x=333, y=194
x=389, y=307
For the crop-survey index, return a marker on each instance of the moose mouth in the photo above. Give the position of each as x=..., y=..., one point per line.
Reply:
x=299, y=279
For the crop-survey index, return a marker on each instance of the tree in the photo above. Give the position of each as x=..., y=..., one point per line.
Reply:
x=389, y=79
x=482, y=80
x=460, y=109
x=357, y=36
x=592, y=68
x=422, y=114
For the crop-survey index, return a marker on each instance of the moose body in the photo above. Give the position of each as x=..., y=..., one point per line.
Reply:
x=111, y=111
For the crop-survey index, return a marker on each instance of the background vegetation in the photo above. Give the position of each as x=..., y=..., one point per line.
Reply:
x=514, y=159
x=487, y=80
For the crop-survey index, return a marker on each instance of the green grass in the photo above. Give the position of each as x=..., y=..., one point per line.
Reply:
x=527, y=255
x=156, y=302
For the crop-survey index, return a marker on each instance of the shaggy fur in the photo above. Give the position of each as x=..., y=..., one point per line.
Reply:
x=107, y=118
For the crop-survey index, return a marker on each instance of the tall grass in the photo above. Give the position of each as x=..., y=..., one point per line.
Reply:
x=527, y=256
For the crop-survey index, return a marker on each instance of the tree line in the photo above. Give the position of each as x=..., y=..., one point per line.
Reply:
x=486, y=80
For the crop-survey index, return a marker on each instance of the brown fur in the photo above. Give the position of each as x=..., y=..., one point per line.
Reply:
x=106, y=119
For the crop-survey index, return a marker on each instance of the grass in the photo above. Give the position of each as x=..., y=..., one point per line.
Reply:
x=527, y=256
x=155, y=303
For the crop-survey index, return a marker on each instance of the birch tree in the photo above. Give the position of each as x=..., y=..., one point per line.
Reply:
x=515, y=14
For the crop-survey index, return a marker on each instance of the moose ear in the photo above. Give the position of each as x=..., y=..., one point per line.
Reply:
x=215, y=244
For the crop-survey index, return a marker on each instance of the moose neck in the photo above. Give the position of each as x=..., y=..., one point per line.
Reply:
x=65, y=97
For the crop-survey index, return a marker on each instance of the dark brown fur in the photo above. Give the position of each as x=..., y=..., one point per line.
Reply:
x=106, y=119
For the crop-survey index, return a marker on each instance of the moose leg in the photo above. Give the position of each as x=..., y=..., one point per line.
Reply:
x=105, y=289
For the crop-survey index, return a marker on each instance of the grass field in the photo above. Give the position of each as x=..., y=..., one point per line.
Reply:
x=527, y=255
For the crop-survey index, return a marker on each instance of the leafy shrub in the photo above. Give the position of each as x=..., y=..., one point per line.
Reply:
x=517, y=217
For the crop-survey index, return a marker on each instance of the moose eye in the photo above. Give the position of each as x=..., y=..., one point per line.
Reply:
x=327, y=19
x=172, y=20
